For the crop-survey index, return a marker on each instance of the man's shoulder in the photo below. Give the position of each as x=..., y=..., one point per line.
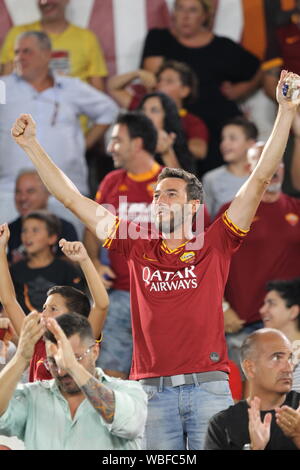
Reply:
x=291, y=201
x=15, y=224
x=230, y=414
x=22, y=28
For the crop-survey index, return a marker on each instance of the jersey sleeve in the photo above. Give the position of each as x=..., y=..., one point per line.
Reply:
x=225, y=236
x=125, y=236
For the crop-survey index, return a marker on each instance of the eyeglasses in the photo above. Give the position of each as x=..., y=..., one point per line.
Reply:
x=51, y=364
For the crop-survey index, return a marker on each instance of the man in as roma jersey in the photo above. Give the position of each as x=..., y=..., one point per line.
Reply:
x=176, y=281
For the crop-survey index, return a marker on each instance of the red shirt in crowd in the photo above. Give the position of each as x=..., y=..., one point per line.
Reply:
x=37, y=369
x=271, y=251
x=176, y=300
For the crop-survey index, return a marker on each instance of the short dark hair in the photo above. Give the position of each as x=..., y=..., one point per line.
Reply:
x=194, y=189
x=52, y=222
x=139, y=125
x=72, y=323
x=289, y=291
x=76, y=300
x=249, y=128
x=187, y=77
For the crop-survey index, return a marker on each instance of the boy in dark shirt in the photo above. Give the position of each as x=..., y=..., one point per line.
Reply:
x=41, y=270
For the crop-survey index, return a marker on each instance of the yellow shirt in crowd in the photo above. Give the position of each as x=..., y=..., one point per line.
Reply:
x=76, y=51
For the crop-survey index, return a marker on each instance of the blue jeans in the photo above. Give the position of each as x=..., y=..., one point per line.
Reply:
x=116, y=347
x=178, y=416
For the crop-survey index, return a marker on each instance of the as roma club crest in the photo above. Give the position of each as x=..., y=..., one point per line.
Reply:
x=292, y=218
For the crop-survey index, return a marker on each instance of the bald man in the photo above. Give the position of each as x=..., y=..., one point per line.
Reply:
x=270, y=417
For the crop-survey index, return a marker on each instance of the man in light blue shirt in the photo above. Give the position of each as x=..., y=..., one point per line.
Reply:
x=56, y=102
x=81, y=408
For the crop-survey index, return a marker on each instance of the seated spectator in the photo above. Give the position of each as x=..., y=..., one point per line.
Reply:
x=75, y=51
x=281, y=310
x=98, y=412
x=31, y=195
x=56, y=101
x=271, y=250
x=221, y=184
x=171, y=149
x=259, y=421
x=41, y=269
x=221, y=81
x=60, y=299
x=175, y=79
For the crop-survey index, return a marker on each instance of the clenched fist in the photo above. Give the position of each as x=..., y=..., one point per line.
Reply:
x=24, y=129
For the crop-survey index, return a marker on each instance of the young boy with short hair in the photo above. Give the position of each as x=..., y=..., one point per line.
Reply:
x=221, y=184
x=59, y=299
x=41, y=269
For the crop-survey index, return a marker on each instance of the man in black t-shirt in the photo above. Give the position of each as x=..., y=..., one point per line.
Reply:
x=270, y=418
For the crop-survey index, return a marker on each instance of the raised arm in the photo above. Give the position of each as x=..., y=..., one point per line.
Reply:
x=76, y=251
x=244, y=205
x=32, y=331
x=117, y=85
x=295, y=165
x=95, y=217
x=7, y=290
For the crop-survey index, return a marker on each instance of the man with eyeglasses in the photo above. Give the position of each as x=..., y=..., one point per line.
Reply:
x=81, y=408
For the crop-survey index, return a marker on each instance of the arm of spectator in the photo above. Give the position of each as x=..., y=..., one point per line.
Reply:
x=153, y=63
x=94, y=134
x=270, y=80
x=7, y=290
x=288, y=420
x=197, y=147
x=76, y=252
x=32, y=331
x=117, y=85
x=232, y=322
x=243, y=208
x=93, y=248
x=94, y=216
x=259, y=430
x=295, y=164
x=237, y=91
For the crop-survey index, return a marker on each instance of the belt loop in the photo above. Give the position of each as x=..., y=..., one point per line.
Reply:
x=195, y=379
x=161, y=384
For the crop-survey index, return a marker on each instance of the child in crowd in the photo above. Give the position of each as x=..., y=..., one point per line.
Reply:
x=60, y=299
x=179, y=82
x=41, y=269
x=221, y=184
